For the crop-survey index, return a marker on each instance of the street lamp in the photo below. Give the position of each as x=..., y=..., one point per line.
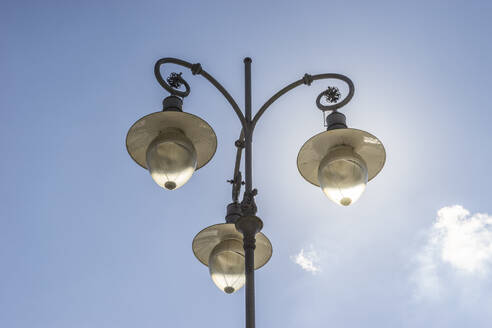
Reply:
x=341, y=160
x=173, y=144
x=220, y=247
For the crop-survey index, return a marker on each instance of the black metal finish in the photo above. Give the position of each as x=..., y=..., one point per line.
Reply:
x=172, y=103
x=248, y=206
x=243, y=214
x=237, y=181
x=332, y=95
x=248, y=130
x=172, y=83
x=307, y=80
x=233, y=212
x=175, y=80
x=249, y=226
x=195, y=69
x=336, y=120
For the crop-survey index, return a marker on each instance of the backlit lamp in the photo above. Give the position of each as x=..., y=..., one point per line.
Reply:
x=341, y=160
x=171, y=144
x=220, y=247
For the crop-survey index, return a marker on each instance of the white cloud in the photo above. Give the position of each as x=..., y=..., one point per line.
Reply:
x=457, y=241
x=307, y=260
x=426, y=277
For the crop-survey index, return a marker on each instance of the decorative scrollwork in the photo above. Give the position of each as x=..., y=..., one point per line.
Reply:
x=332, y=95
x=173, y=82
x=307, y=79
x=196, y=69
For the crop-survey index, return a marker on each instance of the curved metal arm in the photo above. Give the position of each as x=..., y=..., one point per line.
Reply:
x=196, y=69
x=308, y=79
x=237, y=177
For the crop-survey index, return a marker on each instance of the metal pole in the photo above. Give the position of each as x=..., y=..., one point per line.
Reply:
x=249, y=249
x=248, y=237
x=248, y=133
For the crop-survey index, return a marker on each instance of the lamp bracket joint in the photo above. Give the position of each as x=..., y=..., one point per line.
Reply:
x=248, y=205
x=239, y=143
x=233, y=212
x=196, y=68
x=172, y=103
x=249, y=226
x=307, y=79
x=237, y=182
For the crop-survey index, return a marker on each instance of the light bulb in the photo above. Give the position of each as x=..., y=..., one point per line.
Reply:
x=226, y=265
x=342, y=175
x=171, y=159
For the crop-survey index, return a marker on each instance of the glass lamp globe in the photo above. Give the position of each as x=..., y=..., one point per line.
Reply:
x=220, y=247
x=171, y=159
x=226, y=265
x=342, y=175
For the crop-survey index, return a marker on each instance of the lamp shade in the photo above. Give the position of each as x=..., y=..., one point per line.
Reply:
x=220, y=247
x=171, y=140
x=339, y=158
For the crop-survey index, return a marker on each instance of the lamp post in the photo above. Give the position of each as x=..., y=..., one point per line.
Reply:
x=173, y=144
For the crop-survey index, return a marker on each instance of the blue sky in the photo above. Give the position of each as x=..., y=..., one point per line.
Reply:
x=87, y=239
